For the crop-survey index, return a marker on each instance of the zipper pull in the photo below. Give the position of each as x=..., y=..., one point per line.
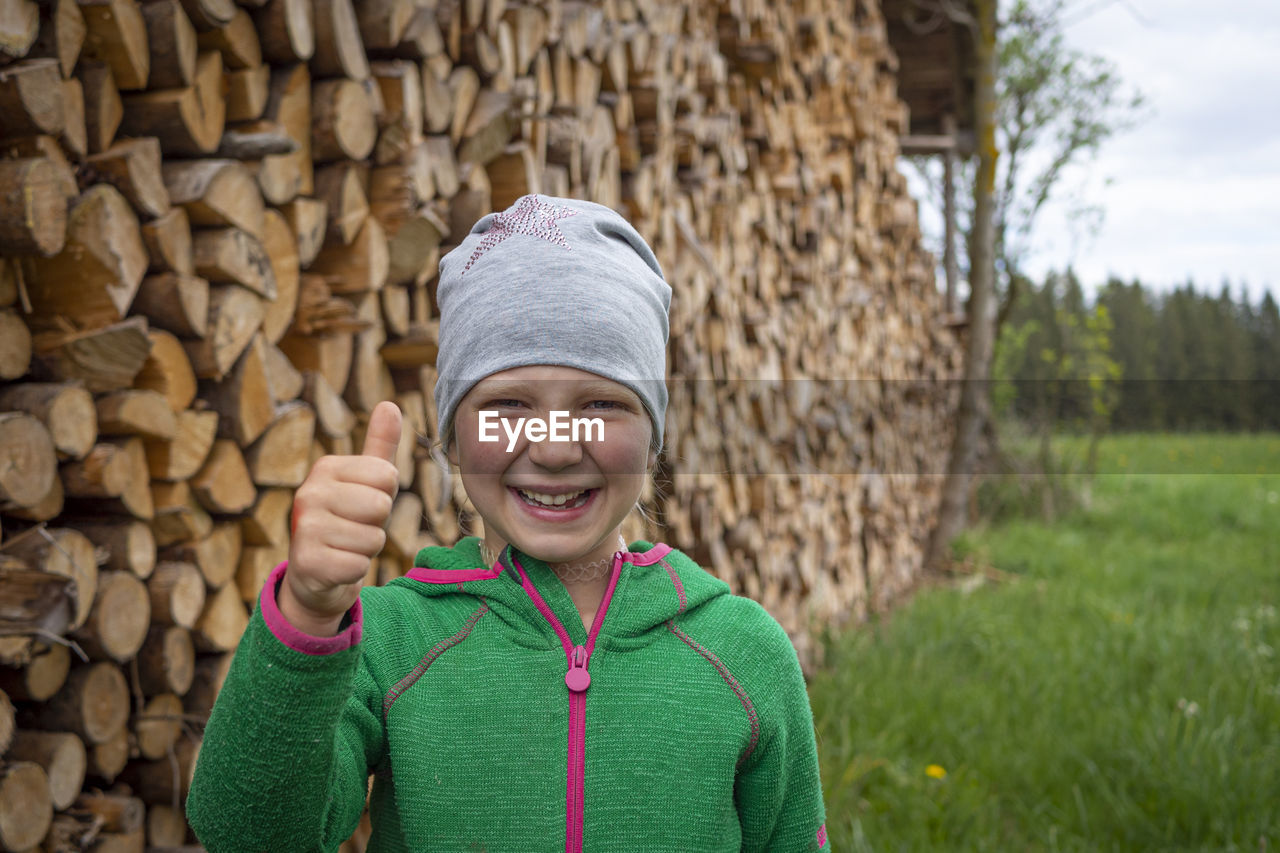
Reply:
x=577, y=679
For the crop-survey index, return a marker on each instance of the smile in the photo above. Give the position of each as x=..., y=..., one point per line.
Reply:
x=567, y=500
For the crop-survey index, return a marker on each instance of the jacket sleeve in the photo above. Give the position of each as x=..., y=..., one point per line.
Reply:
x=286, y=754
x=778, y=789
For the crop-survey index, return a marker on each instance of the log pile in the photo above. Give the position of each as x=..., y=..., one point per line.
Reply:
x=219, y=227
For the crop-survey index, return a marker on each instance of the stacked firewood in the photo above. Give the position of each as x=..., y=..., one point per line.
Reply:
x=219, y=229
x=812, y=382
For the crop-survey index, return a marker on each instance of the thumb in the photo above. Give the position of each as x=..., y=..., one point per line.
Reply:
x=382, y=438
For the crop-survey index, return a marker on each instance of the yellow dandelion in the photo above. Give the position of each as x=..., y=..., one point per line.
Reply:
x=935, y=771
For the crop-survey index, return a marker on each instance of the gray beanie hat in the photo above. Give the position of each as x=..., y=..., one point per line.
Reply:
x=552, y=281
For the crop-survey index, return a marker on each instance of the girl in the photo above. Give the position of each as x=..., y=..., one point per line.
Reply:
x=550, y=686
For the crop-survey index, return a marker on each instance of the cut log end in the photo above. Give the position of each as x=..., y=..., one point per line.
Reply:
x=26, y=808
x=33, y=209
x=28, y=460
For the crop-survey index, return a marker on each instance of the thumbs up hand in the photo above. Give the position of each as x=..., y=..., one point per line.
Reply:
x=338, y=517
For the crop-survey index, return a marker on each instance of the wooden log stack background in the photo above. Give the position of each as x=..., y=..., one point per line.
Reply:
x=219, y=228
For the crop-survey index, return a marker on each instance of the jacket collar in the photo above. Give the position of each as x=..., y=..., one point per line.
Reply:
x=656, y=583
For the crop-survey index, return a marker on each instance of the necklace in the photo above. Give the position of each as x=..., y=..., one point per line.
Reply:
x=568, y=572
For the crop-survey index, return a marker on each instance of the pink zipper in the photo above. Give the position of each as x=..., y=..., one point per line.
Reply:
x=577, y=679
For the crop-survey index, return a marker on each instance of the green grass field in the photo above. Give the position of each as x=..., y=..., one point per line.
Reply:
x=1114, y=685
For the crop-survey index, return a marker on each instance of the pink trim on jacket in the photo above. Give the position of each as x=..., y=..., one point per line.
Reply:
x=427, y=575
x=295, y=639
x=576, y=759
x=648, y=558
x=421, y=573
x=543, y=607
x=598, y=622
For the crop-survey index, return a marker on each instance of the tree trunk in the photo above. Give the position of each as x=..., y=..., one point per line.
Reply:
x=974, y=406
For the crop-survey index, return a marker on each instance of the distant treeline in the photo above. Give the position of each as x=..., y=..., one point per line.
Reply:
x=1135, y=358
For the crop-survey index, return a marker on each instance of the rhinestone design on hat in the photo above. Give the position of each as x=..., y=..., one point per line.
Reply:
x=531, y=216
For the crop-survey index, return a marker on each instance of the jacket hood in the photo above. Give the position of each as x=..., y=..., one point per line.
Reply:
x=655, y=583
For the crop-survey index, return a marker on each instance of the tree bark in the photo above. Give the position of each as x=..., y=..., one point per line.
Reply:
x=974, y=408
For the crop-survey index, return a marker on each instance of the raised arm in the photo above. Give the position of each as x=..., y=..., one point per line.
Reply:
x=290, y=742
x=297, y=726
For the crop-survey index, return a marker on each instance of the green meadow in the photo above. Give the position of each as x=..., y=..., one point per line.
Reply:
x=1110, y=681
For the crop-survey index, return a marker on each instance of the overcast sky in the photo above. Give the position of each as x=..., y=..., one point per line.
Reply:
x=1194, y=190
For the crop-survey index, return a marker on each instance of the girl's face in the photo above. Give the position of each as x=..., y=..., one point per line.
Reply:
x=557, y=500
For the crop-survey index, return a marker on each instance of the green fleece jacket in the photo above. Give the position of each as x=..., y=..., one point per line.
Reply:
x=491, y=720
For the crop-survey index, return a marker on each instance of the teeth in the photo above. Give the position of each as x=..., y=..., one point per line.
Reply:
x=551, y=500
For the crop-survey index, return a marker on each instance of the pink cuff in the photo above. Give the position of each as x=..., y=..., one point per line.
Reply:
x=297, y=640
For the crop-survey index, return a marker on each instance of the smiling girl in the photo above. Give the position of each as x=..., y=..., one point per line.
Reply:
x=550, y=686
